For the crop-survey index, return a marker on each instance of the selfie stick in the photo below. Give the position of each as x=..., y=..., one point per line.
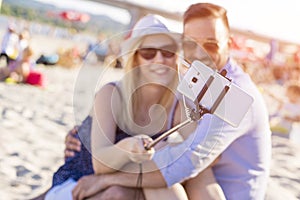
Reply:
x=195, y=115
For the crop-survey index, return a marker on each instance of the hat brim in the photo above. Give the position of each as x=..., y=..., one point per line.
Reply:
x=130, y=44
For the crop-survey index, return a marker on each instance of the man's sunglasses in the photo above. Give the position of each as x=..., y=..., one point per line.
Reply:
x=208, y=45
x=149, y=53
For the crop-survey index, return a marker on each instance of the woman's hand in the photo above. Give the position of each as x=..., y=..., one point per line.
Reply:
x=135, y=147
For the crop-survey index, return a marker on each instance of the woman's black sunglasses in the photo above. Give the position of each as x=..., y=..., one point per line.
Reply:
x=149, y=53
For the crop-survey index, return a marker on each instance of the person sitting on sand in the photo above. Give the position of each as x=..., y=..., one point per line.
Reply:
x=287, y=119
x=18, y=71
x=10, y=44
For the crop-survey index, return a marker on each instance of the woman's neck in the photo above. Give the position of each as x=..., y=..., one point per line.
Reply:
x=150, y=94
x=146, y=113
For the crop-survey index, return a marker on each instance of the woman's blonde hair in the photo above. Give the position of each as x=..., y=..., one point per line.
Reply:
x=128, y=86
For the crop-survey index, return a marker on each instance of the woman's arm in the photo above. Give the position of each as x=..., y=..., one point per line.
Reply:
x=107, y=157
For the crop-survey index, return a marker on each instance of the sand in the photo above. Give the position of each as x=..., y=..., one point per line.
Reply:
x=34, y=122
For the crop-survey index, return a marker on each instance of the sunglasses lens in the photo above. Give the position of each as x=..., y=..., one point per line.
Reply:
x=167, y=54
x=150, y=53
x=210, y=46
x=147, y=53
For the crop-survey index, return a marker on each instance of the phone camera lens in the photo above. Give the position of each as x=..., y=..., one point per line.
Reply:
x=194, y=80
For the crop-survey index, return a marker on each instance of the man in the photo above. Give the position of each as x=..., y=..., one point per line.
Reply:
x=244, y=152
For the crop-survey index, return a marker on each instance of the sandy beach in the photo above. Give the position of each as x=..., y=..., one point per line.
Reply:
x=34, y=122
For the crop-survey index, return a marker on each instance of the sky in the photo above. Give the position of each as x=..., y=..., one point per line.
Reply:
x=273, y=18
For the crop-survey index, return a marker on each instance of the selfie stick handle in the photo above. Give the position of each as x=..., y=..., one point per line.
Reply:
x=167, y=133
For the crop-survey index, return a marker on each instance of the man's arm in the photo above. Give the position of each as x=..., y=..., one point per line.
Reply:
x=198, y=151
x=92, y=185
x=152, y=179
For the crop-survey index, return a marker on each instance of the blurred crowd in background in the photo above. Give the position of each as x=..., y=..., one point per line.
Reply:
x=272, y=64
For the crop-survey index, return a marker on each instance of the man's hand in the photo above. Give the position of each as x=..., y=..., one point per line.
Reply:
x=96, y=187
x=72, y=143
x=88, y=186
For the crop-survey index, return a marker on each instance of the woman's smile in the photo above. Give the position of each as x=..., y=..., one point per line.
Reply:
x=160, y=70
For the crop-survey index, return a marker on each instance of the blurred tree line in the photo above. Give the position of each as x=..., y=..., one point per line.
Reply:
x=30, y=14
x=96, y=24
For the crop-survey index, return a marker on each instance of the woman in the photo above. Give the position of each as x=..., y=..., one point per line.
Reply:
x=127, y=114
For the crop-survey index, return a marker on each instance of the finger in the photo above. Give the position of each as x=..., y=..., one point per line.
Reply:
x=73, y=141
x=146, y=141
x=75, y=191
x=71, y=146
x=140, y=146
x=151, y=152
x=74, y=130
x=148, y=156
x=69, y=153
x=148, y=152
x=144, y=137
x=81, y=196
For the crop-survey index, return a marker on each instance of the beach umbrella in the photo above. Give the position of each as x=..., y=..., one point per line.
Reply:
x=74, y=16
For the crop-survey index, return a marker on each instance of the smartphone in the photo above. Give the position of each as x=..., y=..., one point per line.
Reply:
x=211, y=90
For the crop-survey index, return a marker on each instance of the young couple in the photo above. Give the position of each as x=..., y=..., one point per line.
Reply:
x=213, y=161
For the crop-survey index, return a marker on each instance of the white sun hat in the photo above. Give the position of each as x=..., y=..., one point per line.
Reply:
x=146, y=26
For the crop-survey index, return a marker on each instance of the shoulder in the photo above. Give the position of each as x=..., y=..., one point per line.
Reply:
x=106, y=89
x=107, y=93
